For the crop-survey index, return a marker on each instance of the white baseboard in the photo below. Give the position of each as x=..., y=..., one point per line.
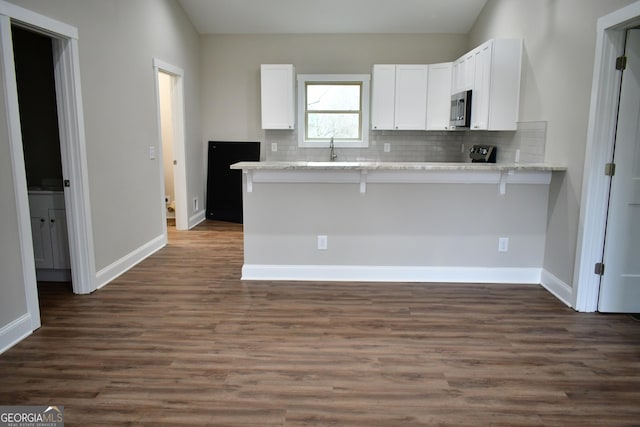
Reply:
x=197, y=219
x=14, y=332
x=390, y=274
x=128, y=261
x=557, y=287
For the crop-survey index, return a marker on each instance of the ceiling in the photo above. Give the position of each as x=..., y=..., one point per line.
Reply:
x=332, y=16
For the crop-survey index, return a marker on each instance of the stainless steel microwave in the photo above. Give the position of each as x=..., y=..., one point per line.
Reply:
x=461, y=109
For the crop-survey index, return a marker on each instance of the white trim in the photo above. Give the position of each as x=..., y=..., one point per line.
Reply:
x=365, y=79
x=37, y=22
x=556, y=287
x=19, y=173
x=600, y=137
x=179, y=138
x=14, y=332
x=127, y=262
x=361, y=273
x=196, y=219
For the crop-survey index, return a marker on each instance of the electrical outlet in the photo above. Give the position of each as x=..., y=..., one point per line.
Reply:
x=152, y=152
x=274, y=147
x=503, y=244
x=322, y=243
x=387, y=147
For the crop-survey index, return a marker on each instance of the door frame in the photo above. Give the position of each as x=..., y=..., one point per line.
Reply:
x=72, y=148
x=177, y=116
x=605, y=93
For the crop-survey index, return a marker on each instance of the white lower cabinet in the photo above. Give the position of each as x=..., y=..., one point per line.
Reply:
x=49, y=232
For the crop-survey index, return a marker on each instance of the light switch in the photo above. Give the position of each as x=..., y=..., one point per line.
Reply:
x=152, y=152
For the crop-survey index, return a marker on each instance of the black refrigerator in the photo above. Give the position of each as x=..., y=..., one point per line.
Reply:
x=224, y=185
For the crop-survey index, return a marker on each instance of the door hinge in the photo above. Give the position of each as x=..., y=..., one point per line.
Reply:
x=599, y=270
x=621, y=63
x=610, y=169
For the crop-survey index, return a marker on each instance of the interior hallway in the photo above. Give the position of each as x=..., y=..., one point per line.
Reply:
x=180, y=340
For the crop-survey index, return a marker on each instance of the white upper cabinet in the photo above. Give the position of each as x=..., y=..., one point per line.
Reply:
x=418, y=97
x=495, y=97
x=411, y=97
x=399, y=97
x=277, y=96
x=463, y=73
x=439, y=96
x=383, y=97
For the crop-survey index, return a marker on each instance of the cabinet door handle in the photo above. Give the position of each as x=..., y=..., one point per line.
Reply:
x=42, y=219
x=52, y=220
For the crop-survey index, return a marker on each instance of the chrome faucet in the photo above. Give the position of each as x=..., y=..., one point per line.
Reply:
x=332, y=156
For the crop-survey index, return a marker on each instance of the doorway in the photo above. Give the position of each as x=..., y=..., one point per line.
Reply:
x=166, y=135
x=65, y=51
x=601, y=134
x=35, y=80
x=170, y=101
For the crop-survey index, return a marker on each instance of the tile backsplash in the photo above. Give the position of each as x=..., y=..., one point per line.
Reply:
x=528, y=142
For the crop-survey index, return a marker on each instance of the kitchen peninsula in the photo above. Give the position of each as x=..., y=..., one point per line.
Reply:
x=395, y=221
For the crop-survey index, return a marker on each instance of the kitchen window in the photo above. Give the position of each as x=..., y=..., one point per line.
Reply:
x=333, y=106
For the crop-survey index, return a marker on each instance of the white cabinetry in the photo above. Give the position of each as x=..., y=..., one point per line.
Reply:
x=49, y=231
x=495, y=97
x=492, y=72
x=411, y=97
x=383, y=97
x=399, y=97
x=439, y=96
x=463, y=73
x=277, y=87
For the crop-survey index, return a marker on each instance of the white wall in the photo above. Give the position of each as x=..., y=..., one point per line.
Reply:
x=559, y=41
x=118, y=41
x=231, y=68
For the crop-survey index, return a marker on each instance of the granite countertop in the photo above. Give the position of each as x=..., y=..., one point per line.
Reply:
x=398, y=166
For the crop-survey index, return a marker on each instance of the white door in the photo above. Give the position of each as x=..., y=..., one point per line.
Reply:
x=620, y=283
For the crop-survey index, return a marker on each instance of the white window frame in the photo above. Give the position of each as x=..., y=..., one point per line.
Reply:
x=363, y=80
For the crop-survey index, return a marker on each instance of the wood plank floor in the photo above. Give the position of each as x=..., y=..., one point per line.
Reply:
x=180, y=340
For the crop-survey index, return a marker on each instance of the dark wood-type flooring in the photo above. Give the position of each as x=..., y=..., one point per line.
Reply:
x=180, y=340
